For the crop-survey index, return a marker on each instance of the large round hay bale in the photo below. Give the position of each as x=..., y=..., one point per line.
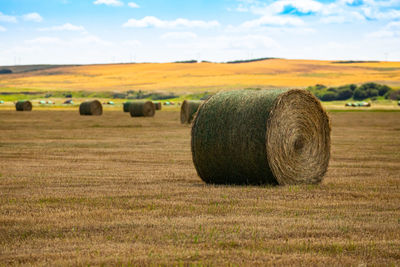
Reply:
x=142, y=109
x=157, y=105
x=23, y=106
x=261, y=137
x=188, y=110
x=91, y=108
x=126, y=106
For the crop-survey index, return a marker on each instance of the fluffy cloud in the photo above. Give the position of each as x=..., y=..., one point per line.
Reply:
x=108, y=2
x=65, y=27
x=302, y=6
x=133, y=5
x=35, y=17
x=44, y=40
x=339, y=11
x=178, y=35
x=133, y=43
x=2, y=29
x=6, y=18
x=273, y=21
x=151, y=21
x=391, y=30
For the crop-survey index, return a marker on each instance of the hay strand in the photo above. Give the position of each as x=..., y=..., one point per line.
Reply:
x=189, y=109
x=23, y=106
x=142, y=109
x=91, y=108
x=261, y=137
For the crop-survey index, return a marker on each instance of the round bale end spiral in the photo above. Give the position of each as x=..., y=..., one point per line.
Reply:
x=142, y=109
x=189, y=109
x=91, y=108
x=23, y=106
x=261, y=137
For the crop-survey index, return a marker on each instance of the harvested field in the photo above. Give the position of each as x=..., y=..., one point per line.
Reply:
x=211, y=77
x=120, y=190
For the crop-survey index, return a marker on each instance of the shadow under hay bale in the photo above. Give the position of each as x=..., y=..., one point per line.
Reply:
x=23, y=106
x=157, y=105
x=261, y=137
x=91, y=108
x=189, y=109
x=142, y=109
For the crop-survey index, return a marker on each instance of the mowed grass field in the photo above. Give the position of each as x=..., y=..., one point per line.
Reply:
x=117, y=190
x=199, y=77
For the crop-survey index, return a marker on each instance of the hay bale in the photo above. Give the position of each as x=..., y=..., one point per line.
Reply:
x=261, y=137
x=157, y=105
x=125, y=106
x=91, y=108
x=189, y=109
x=142, y=109
x=23, y=106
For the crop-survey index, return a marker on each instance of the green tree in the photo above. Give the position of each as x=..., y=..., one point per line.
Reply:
x=360, y=94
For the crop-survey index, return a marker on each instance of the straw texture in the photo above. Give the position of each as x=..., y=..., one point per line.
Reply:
x=23, y=106
x=142, y=109
x=188, y=110
x=91, y=108
x=261, y=137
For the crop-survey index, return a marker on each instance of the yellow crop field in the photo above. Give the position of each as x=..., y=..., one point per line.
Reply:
x=200, y=77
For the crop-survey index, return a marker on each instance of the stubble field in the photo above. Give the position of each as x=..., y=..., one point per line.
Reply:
x=119, y=190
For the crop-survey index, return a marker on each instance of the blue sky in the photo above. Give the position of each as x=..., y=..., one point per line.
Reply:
x=111, y=31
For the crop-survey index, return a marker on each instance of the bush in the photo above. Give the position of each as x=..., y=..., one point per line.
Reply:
x=344, y=94
x=360, y=94
x=393, y=95
x=373, y=92
x=383, y=89
x=330, y=96
x=119, y=96
x=352, y=87
x=5, y=71
x=320, y=86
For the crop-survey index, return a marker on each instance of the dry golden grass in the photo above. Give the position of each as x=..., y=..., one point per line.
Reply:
x=182, y=78
x=119, y=190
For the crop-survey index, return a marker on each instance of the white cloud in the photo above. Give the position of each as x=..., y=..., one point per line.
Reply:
x=303, y=6
x=179, y=35
x=44, y=40
x=134, y=43
x=7, y=18
x=108, y=2
x=273, y=20
x=35, y=17
x=392, y=29
x=151, y=21
x=133, y=5
x=347, y=17
x=64, y=27
x=2, y=29
x=91, y=39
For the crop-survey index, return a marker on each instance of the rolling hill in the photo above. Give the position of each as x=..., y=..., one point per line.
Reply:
x=200, y=77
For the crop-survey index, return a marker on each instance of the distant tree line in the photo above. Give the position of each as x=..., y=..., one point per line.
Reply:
x=5, y=71
x=364, y=91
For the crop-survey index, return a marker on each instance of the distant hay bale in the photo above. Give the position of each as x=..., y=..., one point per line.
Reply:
x=126, y=106
x=142, y=109
x=91, y=108
x=188, y=110
x=157, y=105
x=261, y=137
x=23, y=106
